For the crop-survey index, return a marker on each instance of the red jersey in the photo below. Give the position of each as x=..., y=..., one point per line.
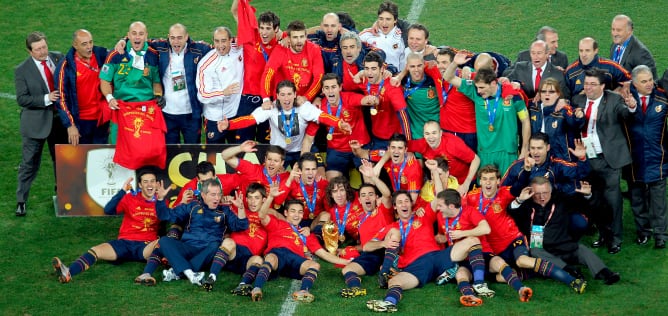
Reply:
x=283, y=235
x=417, y=235
x=140, y=221
x=351, y=222
x=468, y=219
x=372, y=223
x=352, y=114
x=295, y=191
x=347, y=82
x=305, y=69
x=141, y=135
x=504, y=231
x=392, y=106
x=406, y=175
x=251, y=173
x=255, y=237
x=256, y=54
x=458, y=113
x=230, y=182
x=452, y=149
x=89, y=97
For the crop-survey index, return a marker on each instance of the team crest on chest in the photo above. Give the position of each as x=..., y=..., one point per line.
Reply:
x=497, y=208
x=417, y=224
x=658, y=109
x=304, y=62
x=431, y=93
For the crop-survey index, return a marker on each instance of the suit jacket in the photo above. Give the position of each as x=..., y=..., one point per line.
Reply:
x=523, y=72
x=612, y=112
x=36, y=119
x=636, y=54
x=558, y=59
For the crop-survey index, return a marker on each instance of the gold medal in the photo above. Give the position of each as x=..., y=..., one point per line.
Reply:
x=311, y=216
x=329, y=136
x=374, y=111
x=288, y=140
x=342, y=238
x=491, y=127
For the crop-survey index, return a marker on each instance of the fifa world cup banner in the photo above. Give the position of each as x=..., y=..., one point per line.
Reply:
x=88, y=178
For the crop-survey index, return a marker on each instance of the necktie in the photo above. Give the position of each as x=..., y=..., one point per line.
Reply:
x=536, y=83
x=643, y=99
x=49, y=75
x=587, y=116
x=618, y=57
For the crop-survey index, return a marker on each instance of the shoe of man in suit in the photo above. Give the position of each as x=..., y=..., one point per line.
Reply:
x=20, y=209
x=660, y=244
x=614, y=248
x=642, y=240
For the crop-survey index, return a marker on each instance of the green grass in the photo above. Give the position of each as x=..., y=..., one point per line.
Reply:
x=504, y=26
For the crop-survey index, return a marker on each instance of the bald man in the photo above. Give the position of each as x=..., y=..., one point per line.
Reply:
x=328, y=36
x=617, y=77
x=530, y=73
x=78, y=80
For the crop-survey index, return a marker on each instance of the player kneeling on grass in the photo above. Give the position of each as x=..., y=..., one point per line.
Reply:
x=208, y=221
x=289, y=251
x=420, y=258
x=138, y=233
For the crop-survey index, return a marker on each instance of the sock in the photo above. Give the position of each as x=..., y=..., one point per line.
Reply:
x=219, y=260
x=213, y=276
x=154, y=260
x=174, y=232
x=511, y=277
x=393, y=294
x=477, y=264
x=465, y=288
x=352, y=279
x=263, y=274
x=308, y=279
x=548, y=269
x=391, y=255
x=83, y=263
x=249, y=275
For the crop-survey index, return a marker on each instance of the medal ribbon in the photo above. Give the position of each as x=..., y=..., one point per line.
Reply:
x=408, y=91
x=310, y=202
x=397, y=176
x=449, y=226
x=288, y=127
x=339, y=223
x=491, y=113
x=491, y=201
x=404, y=232
x=338, y=113
x=302, y=237
x=266, y=174
x=380, y=87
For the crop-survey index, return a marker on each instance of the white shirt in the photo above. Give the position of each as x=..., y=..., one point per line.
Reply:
x=214, y=74
x=591, y=124
x=51, y=66
x=392, y=45
x=306, y=112
x=177, y=102
x=534, y=72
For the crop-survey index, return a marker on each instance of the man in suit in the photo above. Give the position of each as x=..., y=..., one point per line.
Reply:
x=626, y=49
x=531, y=73
x=36, y=95
x=556, y=57
x=603, y=135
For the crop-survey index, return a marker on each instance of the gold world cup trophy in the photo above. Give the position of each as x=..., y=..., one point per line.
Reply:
x=330, y=234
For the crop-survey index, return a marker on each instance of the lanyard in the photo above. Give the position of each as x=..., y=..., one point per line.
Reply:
x=310, y=202
x=366, y=216
x=264, y=53
x=408, y=91
x=491, y=113
x=338, y=113
x=339, y=223
x=396, y=177
x=302, y=237
x=446, y=92
x=288, y=127
x=266, y=174
x=491, y=201
x=449, y=226
x=549, y=217
x=380, y=86
x=404, y=232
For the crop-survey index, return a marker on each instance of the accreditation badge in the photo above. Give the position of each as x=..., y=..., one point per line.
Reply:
x=178, y=80
x=536, y=237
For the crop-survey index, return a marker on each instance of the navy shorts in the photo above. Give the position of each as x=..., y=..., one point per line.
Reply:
x=288, y=263
x=238, y=265
x=470, y=139
x=371, y=261
x=341, y=161
x=430, y=265
x=516, y=249
x=128, y=250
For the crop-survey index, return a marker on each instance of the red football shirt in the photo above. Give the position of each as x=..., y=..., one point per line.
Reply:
x=410, y=179
x=141, y=135
x=347, y=83
x=140, y=221
x=458, y=113
x=371, y=224
x=230, y=182
x=452, y=148
x=386, y=122
x=305, y=69
x=352, y=222
x=251, y=173
x=350, y=113
x=255, y=237
x=469, y=219
x=89, y=97
x=504, y=231
x=282, y=235
x=295, y=192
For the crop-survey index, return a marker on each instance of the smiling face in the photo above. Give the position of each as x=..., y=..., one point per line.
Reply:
x=221, y=42
x=294, y=213
x=448, y=210
x=339, y=195
x=267, y=32
x=367, y=197
x=620, y=30
x=552, y=40
x=432, y=134
x=177, y=38
x=148, y=184
x=297, y=40
x=350, y=50
x=137, y=36
x=286, y=98
x=593, y=88
x=442, y=62
x=254, y=201
x=212, y=196
x=83, y=44
x=403, y=206
x=489, y=183
x=586, y=51
x=486, y=90
x=386, y=22
x=417, y=40
x=644, y=82
x=332, y=90
x=273, y=162
x=415, y=67
x=397, y=151
x=373, y=72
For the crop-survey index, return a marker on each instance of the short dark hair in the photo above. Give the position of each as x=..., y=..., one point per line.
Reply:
x=256, y=187
x=540, y=136
x=276, y=150
x=396, y=194
x=491, y=168
x=307, y=156
x=391, y=7
x=440, y=164
x=450, y=196
x=396, y=137
x=374, y=57
x=447, y=51
x=284, y=84
x=269, y=17
x=331, y=76
x=419, y=27
x=597, y=73
x=336, y=181
x=295, y=25
x=291, y=202
x=369, y=185
x=34, y=37
x=346, y=21
x=204, y=167
x=485, y=75
x=142, y=171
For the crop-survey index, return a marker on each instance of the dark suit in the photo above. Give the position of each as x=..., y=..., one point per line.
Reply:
x=523, y=72
x=635, y=54
x=606, y=168
x=558, y=59
x=38, y=123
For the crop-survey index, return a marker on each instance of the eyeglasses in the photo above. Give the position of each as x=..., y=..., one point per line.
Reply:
x=592, y=84
x=548, y=91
